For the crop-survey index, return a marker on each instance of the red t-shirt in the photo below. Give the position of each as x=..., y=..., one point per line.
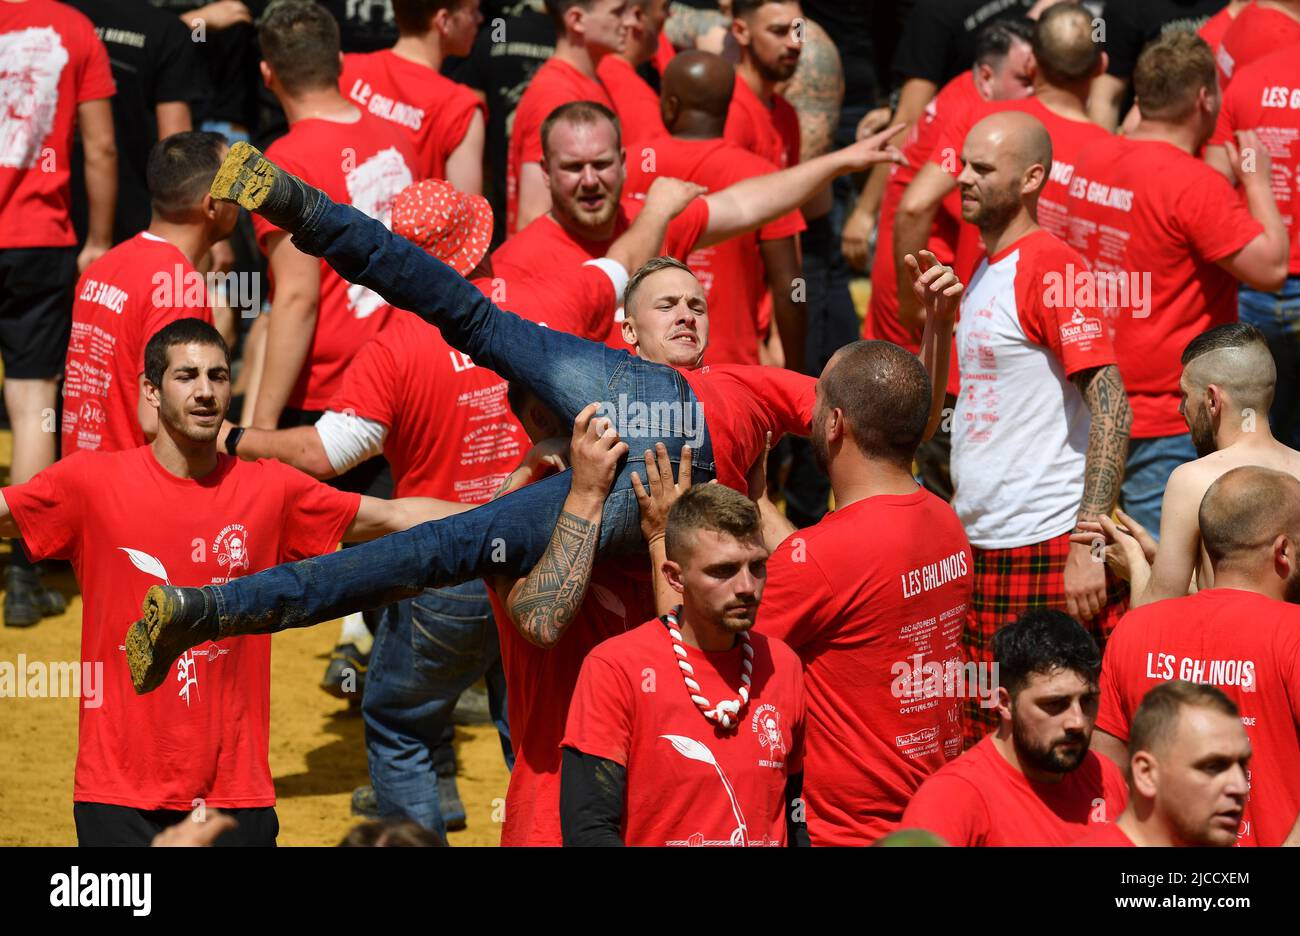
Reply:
x=1214, y=28
x=1255, y=33
x=981, y=800
x=957, y=98
x=539, y=684
x=1155, y=219
x=1265, y=97
x=546, y=246
x=363, y=164
x=854, y=608
x=1243, y=643
x=122, y=300
x=1103, y=835
x=50, y=61
x=770, y=132
x=688, y=781
x=205, y=732
x=664, y=53
x=435, y=112
x=555, y=83
x=635, y=102
x=451, y=434
x=1069, y=139
x=741, y=403
x=582, y=304
x=732, y=272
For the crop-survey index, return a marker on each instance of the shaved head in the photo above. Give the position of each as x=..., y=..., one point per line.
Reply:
x=1063, y=45
x=697, y=83
x=1245, y=511
x=1008, y=156
x=1234, y=357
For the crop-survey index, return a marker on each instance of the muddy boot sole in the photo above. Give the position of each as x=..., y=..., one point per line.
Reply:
x=245, y=176
x=152, y=646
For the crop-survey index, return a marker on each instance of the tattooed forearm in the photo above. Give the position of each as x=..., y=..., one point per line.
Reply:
x=685, y=24
x=553, y=591
x=816, y=91
x=1103, y=391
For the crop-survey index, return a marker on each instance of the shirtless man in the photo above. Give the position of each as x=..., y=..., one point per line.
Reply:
x=1227, y=387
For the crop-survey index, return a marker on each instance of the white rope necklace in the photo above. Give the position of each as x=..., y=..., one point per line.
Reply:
x=725, y=714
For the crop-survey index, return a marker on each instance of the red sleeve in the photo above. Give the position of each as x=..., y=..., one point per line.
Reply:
x=952, y=137
x=1112, y=715
x=600, y=713
x=95, y=79
x=685, y=230
x=787, y=125
x=949, y=807
x=528, y=125
x=48, y=509
x=457, y=110
x=797, y=598
x=1289, y=664
x=785, y=226
x=790, y=398
x=1076, y=335
x=582, y=305
x=315, y=515
x=1212, y=216
x=371, y=385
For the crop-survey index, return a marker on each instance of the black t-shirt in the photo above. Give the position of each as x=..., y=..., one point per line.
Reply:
x=1131, y=24
x=511, y=45
x=230, y=57
x=154, y=62
x=938, y=40
x=850, y=26
x=364, y=25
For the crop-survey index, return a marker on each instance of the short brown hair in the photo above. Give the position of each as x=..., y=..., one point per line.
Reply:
x=710, y=507
x=644, y=272
x=557, y=9
x=414, y=16
x=884, y=392
x=1169, y=73
x=1156, y=719
x=391, y=833
x=300, y=41
x=580, y=114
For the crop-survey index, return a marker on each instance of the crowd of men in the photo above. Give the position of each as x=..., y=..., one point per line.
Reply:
x=503, y=289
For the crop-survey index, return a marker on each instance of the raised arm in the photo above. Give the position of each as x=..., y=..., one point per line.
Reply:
x=754, y=202
x=937, y=292
x=644, y=238
x=544, y=603
x=655, y=498
x=291, y=327
x=912, y=223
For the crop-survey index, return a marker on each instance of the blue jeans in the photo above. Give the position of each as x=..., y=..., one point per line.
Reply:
x=1277, y=315
x=428, y=650
x=506, y=536
x=1150, y=463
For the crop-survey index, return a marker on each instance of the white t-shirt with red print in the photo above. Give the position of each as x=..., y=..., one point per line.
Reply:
x=1020, y=430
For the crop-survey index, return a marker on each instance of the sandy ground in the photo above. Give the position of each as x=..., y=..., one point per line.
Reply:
x=317, y=752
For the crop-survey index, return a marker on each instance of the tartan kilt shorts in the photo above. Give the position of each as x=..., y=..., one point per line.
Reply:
x=1011, y=581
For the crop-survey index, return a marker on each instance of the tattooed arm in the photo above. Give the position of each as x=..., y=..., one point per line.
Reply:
x=817, y=91
x=686, y=25
x=544, y=602
x=1103, y=390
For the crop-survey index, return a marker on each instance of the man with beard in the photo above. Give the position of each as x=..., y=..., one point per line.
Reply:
x=1168, y=242
x=143, y=762
x=1189, y=772
x=1226, y=387
x=770, y=36
x=1034, y=782
x=1041, y=425
x=834, y=596
x=1242, y=636
x=716, y=758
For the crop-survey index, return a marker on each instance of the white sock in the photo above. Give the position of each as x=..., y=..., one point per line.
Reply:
x=354, y=631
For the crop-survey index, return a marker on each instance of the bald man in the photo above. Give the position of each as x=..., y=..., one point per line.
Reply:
x=1041, y=425
x=694, y=102
x=1066, y=62
x=1242, y=636
x=1188, y=773
x=1226, y=389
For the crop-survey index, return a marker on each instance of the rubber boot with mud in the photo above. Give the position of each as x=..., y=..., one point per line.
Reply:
x=254, y=182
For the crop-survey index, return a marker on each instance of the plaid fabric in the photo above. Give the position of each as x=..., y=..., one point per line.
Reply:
x=1010, y=581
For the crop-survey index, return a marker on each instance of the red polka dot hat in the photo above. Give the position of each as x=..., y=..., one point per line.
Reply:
x=454, y=227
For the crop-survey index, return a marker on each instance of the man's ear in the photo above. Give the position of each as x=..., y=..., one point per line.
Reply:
x=151, y=393
x=1145, y=774
x=983, y=78
x=1005, y=706
x=1284, y=556
x=1103, y=62
x=673, y=576
x=267, y=75
x=740, y=32
x=629, y=330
